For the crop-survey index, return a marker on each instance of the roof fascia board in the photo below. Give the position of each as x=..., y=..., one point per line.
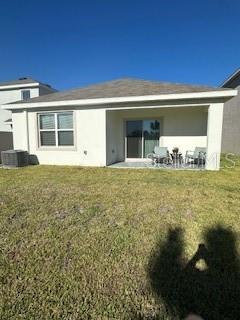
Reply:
x=99, y=101
x=183, y=105
x=19, y=86
x=229, y=79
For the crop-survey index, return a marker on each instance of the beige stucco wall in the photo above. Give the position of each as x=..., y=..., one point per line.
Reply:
x=115, y=137
x=90, y=139
x=214, y=135
x=185, y=128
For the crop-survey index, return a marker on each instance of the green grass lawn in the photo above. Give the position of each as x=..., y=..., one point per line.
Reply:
x=101, y=243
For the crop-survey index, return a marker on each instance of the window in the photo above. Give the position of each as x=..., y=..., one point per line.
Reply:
x=56, y=129
x=26, y=94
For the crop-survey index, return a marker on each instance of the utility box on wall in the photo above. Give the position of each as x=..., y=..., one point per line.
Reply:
x=14, y=158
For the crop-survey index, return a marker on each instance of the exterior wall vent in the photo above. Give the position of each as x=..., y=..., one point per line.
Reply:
x=14, y=158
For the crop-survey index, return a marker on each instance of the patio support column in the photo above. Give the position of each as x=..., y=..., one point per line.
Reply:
x=214, y=136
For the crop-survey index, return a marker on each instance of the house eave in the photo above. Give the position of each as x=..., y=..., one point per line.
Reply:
x=19, y=86
x=223, y=94
x=231, y=78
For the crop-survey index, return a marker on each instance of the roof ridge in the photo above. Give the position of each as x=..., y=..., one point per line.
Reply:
x=158, y=82
x=133, y=79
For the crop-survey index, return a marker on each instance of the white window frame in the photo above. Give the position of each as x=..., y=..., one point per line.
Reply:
x=56, y=130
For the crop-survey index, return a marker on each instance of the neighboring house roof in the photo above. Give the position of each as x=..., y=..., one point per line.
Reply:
x=18, y=81
x=233, y=81
x=23, y=81
x=122, y=88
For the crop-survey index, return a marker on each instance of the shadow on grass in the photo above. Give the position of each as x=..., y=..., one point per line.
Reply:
x=213, y=292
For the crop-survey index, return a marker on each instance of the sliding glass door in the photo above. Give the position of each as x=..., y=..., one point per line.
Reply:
x=134, y=139
x=141, y=137
x=151, y=136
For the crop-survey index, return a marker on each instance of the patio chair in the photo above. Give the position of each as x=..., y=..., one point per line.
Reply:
x=160, y=155
x=198, y=156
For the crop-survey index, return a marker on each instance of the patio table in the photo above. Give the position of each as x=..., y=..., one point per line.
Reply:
x=177, y=158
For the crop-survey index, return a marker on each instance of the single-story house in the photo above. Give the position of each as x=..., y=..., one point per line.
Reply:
x=120, y=120
x=15, y=90
x=231, y=117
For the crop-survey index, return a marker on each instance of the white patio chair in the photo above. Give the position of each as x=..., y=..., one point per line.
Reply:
x=198, y=156
x=160, y=155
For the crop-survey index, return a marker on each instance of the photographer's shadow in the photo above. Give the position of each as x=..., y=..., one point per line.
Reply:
x=208, y=285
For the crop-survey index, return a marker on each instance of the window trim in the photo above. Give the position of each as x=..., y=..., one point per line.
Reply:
x=26, y=90
x=56, y=130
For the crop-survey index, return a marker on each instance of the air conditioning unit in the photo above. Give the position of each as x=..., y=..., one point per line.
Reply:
x=14, y=158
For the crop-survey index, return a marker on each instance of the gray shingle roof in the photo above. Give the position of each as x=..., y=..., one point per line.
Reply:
x=122, y=88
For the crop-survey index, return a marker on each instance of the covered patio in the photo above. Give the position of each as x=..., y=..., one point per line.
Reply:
x=134, y=131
